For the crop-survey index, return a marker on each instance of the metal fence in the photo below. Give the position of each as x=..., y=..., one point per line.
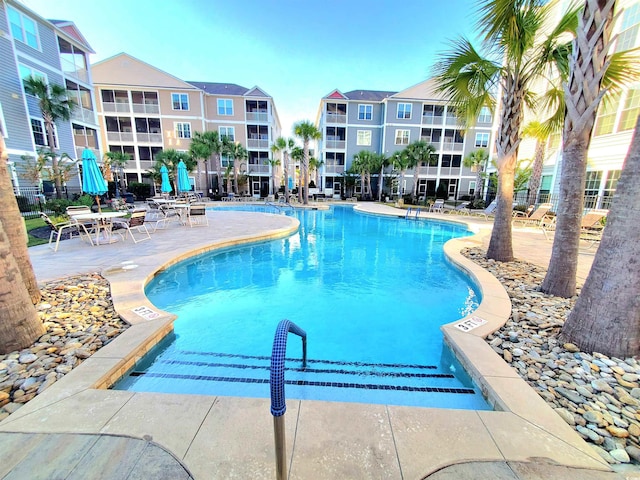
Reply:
x=32, y=200
x=590, y=201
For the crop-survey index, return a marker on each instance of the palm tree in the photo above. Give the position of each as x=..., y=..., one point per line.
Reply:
x=420, y=152
x=203, y=146
x=306, y=131
x=297, y=155
x=284, y=146
x=171, y=158
x=362, y=165
x=20, y=325
x=522, y=51
x=606, y=316
x=540, y=132
x=402, y=161
x=119, y=160
x=476, y=161
x=583, y=91
x=238, y=153
x=378, y=164
x=55, y=104
x=314, y=166
x=273, y=163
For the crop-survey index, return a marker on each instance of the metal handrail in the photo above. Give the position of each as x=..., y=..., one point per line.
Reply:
x=278, y=402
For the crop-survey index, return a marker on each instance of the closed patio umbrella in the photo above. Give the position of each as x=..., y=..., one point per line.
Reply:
x=183, y=178
x=93, y=182
x=166, y=185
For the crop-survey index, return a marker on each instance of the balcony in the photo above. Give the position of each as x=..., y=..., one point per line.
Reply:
x=115, y=107
x=453, y=121
x=256, y=143
x=120, y=137
x=145, y=108
x=432, y=119
x=79, y=150
x=83, y=115
x=335, y=117
x=145, y=137
x=335, y=144
x=452, y=146
x=257, y=169
x=258, y=117
x=331, y=170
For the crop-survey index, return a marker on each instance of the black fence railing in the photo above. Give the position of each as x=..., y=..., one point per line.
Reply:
x=32, y=201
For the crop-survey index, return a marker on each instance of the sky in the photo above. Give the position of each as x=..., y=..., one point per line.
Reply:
x=297, y=51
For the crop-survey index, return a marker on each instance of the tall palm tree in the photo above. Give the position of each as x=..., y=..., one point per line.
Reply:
x=284, y=146
x=421, y=152
x=362, y=165
x=306, y=131
x=540, y=132
x=171, y=158
x=205, y=145
x=55, y=104
x=297, y=155
x=606, y=316
x=402, y=161
x=119, y=160
x=590, y=61
x=522, y=50
x=20, y=325
x=238, y=153
x=273, y=163
x=476, y=161
x=378, y=164
x=314, y=166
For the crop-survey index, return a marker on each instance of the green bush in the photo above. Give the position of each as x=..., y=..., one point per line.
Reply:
x=58, y=205
x=86, y=200
x=442, y=192
x=140, y=190
x=478, y=204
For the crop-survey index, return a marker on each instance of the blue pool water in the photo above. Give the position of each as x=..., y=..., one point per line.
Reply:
x=371, y=292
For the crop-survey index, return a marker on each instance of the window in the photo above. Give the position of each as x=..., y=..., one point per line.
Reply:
x=229, y=132
x=40, y=134
x=472, y=187
x=606, y=117
x=453, y=161
x=592, y=189
x=610, y=185
x=485, y=115
x=26, y=72
x=629, y=28
x=180, y=101
x=402, y=137
x=333, y=159
x=364, y=137
x=404, y=110
x=482, y=140
x=630, y=110
x=365, y=112
x=183, y=130
x=23, y=28
x=225, y=106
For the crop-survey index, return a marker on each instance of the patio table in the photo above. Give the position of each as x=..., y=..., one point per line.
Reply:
x=103, y=224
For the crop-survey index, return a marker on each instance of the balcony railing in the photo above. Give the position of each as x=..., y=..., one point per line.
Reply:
x=261, y=117
x=452, y=146
x=115, y=107
x=335, y=118
x=149, y=137
x=146, y=108
x=120, y=136
x=257, y=143
x=432, y=119
x=83, y=114
x=334, y=169
x=341, y=144
x=453, y=121
x=79, y=150
x=255, y=168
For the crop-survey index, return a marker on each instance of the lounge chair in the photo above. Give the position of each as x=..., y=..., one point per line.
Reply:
x=197, y=215
x=60, y=228
x=462, y=209
x=537, y=217
x=437, y=206
x=591, y=226
x=487, y=212
x=134, y=222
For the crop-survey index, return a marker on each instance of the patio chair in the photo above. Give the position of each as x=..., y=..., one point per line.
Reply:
x=61, y=228
x=134, y=222
x=462, y=209
x=536, y=218
x=197, y=215
x=437, y=206
x=487, y=212
x=592, y=226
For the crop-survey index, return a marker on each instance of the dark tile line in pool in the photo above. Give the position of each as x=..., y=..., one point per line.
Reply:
x=329, y=362
x=306, y=383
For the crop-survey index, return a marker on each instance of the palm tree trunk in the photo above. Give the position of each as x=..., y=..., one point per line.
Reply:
x=380, y=183
x=54, y=158
x=235, y=177
x=414, y=193
x=606, y=317
x=20, y=325
x=14, y=227
x=286, y=176
x=304, y=181
x=478, y=193
x=536, y=172
x=582, y=97
x=219, y=172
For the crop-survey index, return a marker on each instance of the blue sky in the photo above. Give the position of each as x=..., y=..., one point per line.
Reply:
x=295, y=50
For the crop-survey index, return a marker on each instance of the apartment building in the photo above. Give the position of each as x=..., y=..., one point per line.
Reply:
x=56, y=51
x=386, y=122
x=143, y=110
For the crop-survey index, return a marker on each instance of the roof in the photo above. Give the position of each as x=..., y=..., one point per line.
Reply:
x=220, y=88
x=425, y=90
x=369, y=95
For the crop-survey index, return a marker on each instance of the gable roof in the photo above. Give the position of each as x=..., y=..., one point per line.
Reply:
x=336, y=94
x=256, y=92
x=368, y=95
x=220, y=88
x=124, y=69
x=72, y=31
x=425, y=90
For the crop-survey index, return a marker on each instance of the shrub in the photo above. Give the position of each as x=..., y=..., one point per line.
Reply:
x=86, y=200
x=442, y=192
x=478, y=204
x=140, y=190
x=58, y=206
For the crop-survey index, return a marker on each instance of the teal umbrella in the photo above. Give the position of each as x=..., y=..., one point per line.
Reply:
x=183, y=178
x=166, y=186
x=93, y=182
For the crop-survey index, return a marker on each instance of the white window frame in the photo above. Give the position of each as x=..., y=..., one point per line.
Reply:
x=32, y=72
x=363, y=138
x=472, y=188
x=401, y=136
x=181, y=132
x=482, y=140
x=404, y=111
x=367, y=111
x=3, y=124
x=180, y=95
x=485, y=115
x=23, y=37
x=231, y=137
x=44, y=133
x=224, y=107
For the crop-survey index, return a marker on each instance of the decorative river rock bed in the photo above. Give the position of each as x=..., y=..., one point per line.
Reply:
x=597, y=395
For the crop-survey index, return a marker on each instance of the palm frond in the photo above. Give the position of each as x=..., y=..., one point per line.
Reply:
x=623, y=70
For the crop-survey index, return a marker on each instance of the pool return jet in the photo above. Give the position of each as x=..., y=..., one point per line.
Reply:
x=278, y=404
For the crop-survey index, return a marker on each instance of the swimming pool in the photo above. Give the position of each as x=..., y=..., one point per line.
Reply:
x=371, y=293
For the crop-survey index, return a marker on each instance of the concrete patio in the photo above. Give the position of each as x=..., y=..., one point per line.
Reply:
x=203, y=437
